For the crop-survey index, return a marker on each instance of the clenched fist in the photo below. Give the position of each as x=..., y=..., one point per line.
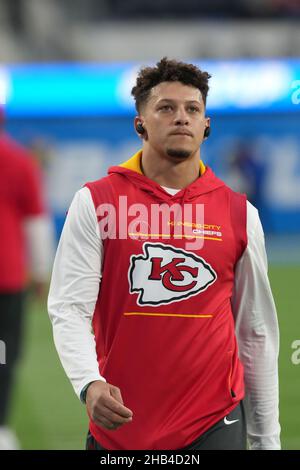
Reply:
x=105, y=405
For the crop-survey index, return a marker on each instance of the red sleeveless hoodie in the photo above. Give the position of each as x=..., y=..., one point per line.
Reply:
x=163, y=322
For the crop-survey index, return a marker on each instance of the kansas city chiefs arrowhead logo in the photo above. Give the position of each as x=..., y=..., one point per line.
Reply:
x=164, y=274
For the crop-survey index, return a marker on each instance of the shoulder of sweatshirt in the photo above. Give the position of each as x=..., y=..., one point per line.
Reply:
x=83, y=205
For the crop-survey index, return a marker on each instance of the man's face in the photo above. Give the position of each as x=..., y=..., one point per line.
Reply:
x=174, y=119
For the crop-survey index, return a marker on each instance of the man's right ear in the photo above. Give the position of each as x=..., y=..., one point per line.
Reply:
x=139, y=128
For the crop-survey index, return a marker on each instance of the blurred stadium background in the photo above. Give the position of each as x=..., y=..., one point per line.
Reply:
x=66, y=69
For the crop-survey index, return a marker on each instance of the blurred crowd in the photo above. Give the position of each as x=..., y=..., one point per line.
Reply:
x=45, y=30
x=104, y=9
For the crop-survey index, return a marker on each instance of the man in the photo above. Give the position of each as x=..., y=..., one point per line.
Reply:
x=26, y=248
x=144, y=316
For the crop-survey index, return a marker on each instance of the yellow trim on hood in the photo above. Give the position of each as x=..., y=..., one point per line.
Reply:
x=134, y=163
x=202, y=167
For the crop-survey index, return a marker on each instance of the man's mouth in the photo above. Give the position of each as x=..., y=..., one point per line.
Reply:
x=182, y=133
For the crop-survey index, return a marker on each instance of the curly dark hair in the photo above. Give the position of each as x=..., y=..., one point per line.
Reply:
x=167, y=70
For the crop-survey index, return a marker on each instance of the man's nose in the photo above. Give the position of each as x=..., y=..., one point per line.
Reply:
x=181, y=117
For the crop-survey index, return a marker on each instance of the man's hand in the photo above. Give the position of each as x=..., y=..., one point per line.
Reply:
x=105, y=405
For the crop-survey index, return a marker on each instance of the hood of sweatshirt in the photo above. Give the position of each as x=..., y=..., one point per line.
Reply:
x=131, y=169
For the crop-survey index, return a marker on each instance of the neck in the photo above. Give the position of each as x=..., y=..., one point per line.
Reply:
x=168, y=171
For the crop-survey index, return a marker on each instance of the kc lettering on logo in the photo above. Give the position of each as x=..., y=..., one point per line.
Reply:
x=172, y=272
x=164, y=274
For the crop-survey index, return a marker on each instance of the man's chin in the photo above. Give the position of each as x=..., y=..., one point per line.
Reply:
x=179, y=153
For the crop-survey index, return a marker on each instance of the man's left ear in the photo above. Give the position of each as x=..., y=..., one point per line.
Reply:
x=207, y=129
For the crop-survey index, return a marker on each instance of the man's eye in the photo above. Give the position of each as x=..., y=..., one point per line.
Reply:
x=194, y=109
x=166, y=107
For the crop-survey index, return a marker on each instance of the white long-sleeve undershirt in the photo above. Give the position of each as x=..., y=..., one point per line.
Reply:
x=74, y=290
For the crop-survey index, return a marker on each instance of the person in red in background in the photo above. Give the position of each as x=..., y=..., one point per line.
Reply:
x=25, y=253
